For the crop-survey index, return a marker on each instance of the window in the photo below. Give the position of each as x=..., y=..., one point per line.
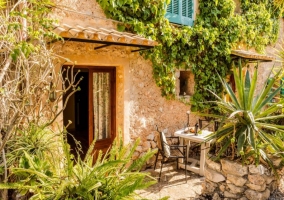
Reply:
x=184, y=83
x=180, y=12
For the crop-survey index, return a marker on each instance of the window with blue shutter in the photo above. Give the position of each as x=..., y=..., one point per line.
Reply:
x=180, y=12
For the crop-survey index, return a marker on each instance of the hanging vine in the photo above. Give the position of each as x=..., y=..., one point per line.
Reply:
x=204, y=48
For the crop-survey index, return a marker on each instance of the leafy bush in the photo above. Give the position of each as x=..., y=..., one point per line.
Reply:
x=204, y=48
x=42, y=167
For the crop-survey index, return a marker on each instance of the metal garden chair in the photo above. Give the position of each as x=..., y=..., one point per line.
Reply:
x=170, y=151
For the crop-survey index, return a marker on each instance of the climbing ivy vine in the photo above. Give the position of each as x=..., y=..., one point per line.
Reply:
x=204, y=48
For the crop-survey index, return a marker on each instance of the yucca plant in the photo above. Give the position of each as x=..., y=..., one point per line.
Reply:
x=245, y=131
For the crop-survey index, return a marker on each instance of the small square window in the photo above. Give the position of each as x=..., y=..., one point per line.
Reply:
x=185, y=83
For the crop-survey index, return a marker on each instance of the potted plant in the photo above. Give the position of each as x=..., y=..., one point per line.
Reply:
x=247, y=137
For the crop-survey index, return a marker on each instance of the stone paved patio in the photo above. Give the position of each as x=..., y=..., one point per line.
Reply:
x=173, y=184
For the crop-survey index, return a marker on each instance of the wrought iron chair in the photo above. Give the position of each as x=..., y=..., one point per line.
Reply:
x=170, y=151
x=216, y=124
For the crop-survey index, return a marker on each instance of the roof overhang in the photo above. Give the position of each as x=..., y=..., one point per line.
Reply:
x=103, y=36
x=251, y=56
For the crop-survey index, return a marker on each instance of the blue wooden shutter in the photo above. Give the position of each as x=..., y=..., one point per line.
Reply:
x=180, y=12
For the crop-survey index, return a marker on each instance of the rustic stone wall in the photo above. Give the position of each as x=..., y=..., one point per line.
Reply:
x=233, y=180
x=140, y=105
x=81, y=12
x=148, y=108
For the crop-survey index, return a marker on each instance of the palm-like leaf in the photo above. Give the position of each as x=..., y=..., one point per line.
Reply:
x=246, y=120
x=113, y=175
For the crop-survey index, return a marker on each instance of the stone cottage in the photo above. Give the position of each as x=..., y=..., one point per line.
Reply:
x=132, y=103
x=118, y=93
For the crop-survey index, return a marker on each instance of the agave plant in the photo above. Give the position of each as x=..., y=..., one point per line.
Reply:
x=246, y=131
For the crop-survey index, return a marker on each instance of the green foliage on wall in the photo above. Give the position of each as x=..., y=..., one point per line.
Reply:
x=204, y=48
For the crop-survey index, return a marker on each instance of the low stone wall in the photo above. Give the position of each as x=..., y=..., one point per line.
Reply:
x=236, y=181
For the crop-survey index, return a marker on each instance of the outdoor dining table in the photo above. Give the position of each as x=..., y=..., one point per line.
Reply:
x=199, y=138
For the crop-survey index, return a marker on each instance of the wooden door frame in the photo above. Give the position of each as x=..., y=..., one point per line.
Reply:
x=112, y=70
x=91, y=134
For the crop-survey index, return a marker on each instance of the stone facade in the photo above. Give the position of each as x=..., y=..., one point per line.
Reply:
x=139, y=104
x=233, y=180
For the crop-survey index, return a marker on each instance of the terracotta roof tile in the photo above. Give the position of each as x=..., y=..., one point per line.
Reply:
x=102, y=35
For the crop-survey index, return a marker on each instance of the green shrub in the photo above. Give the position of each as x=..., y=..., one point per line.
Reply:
x=42, y=167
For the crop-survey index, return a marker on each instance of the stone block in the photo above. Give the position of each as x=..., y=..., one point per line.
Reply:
x=234, y=168
x=151, y=137
x=153, y=144
x=273, y=186
x=236, y=180
x=208, y=187
x=155, y=137
x=280, y=171
x=139, y=149
x=213, y=165
x=216, y=196
x=222, y=187
x=253, y=195
x=276, y=161
x=256, y=179
x=268, y=179
x=231, y=195
x=235, y=189
x=146, y=145
x=281, y=184
x=213, y=176
x=256, y=169
x=256, y=187
x=228, y=181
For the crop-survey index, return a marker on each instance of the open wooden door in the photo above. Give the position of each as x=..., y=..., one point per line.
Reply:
x=92, y=109
x=102, y=107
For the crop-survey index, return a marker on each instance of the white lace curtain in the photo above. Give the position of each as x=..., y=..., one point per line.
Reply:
x=101, y=98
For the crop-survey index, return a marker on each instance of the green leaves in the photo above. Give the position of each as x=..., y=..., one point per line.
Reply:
x=63, y=176
x=259, y=18
x=247, y=118
x=241, y=142
x=204, y=48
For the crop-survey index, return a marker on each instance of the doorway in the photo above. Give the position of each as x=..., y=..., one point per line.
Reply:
x=92, y=108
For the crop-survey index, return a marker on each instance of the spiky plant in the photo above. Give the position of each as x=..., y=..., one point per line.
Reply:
x=245, y=132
